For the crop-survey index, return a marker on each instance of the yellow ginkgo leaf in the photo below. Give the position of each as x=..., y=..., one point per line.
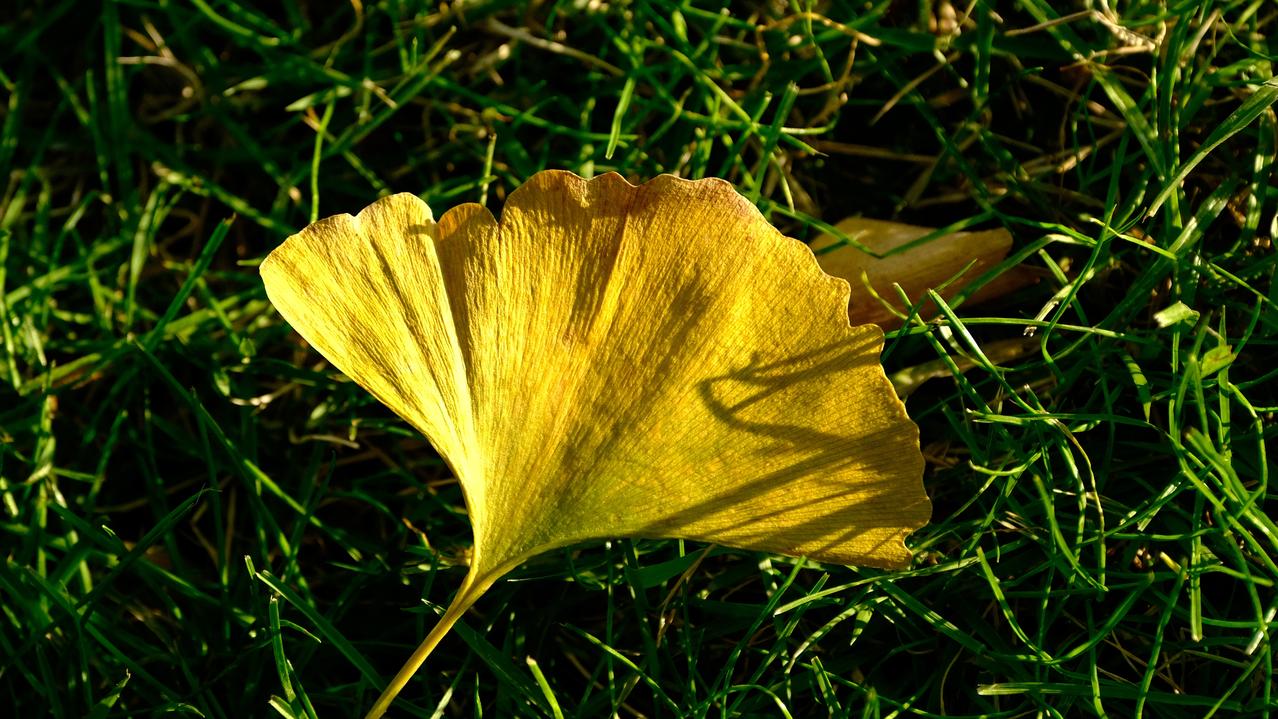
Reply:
x=610, y=360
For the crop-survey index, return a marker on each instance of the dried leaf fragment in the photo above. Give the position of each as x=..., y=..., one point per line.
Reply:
x=917, y=269
x=610, y=360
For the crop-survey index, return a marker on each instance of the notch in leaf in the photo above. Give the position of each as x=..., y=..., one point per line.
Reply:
x=610, y=360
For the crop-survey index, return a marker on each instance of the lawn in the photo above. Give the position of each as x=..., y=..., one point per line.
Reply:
x=199, y=516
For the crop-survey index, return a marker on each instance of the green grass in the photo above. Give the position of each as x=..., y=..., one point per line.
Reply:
x=199, y=516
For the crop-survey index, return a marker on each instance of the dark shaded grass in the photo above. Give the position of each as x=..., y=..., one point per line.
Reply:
x=200, y=516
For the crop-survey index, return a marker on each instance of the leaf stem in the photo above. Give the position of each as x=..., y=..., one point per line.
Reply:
x=471, y=590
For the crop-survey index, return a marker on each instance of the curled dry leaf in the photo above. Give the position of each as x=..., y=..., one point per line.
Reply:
x=610, y=360
x=918, y=269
